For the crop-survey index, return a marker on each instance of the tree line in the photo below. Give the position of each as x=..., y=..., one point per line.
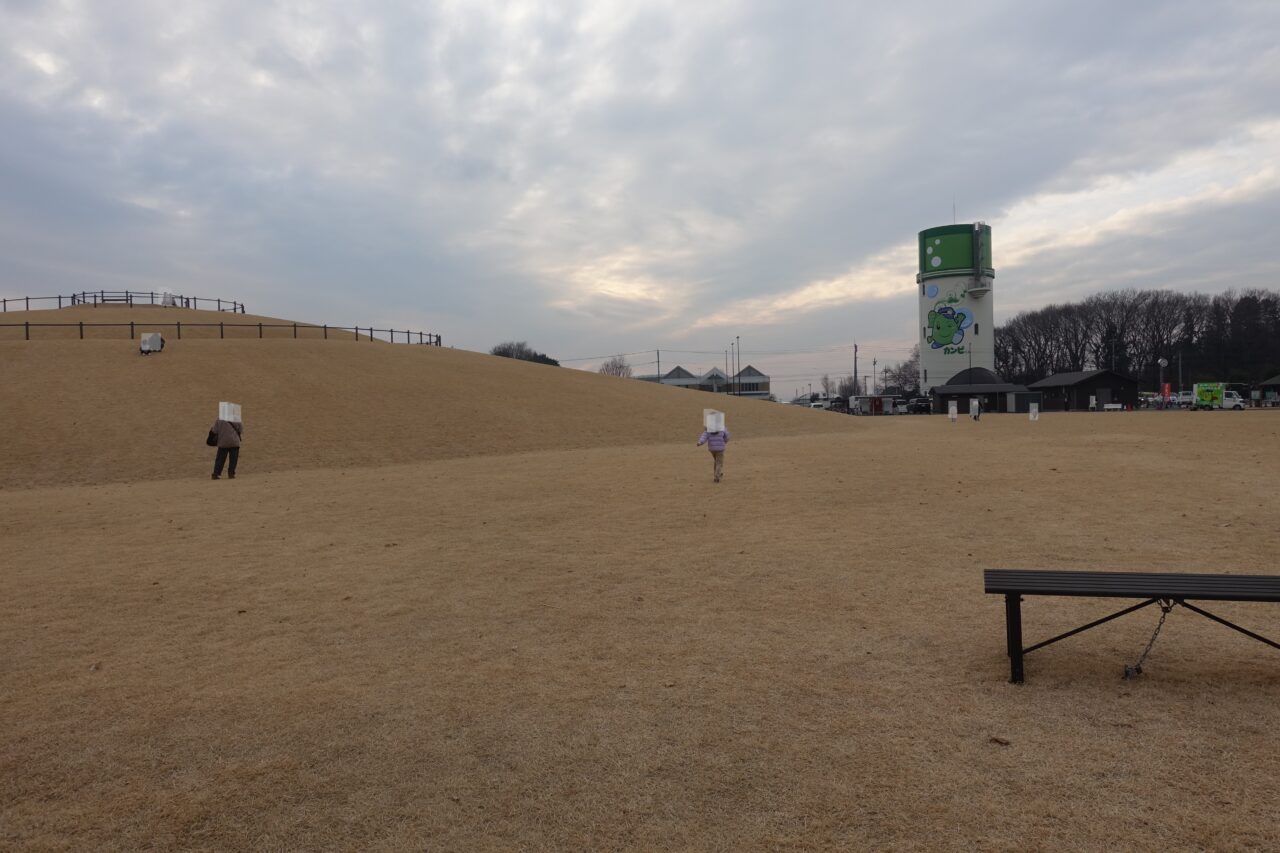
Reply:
x=1229, y=337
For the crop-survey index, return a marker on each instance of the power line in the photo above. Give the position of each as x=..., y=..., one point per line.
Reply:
x=720, y=352
x=602, y=357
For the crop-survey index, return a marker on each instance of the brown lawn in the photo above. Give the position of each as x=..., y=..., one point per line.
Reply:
x=455, y=602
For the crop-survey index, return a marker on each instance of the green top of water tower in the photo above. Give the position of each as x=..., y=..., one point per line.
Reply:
x=956, y=250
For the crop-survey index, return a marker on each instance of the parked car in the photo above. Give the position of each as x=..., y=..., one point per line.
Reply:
x=920, y=406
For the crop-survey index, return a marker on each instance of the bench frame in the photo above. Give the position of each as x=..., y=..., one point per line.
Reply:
x=1166, y=590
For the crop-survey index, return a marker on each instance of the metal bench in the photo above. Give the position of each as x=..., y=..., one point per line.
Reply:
x=1164, y=589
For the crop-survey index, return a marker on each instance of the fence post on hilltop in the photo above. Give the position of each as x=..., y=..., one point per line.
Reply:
x=82, y=330
x=295, y=331
x=130, y=330
x=26, y=328
x=219, y=304
x=220, y=332
x=59, y=300
x=259, y=331
x=179, y=330
x=28, y=298
x=326, y=331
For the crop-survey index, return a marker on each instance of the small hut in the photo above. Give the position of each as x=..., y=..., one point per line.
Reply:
x=1072, y=391
x=994, y=394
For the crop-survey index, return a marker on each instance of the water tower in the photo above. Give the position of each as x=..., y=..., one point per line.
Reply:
x=955, y=280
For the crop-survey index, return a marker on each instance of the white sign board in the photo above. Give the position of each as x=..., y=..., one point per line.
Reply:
x=1093, y=403
x=150, y=342
x=1035, y=411
x=229, y=412
x=953, y=409
x=973, y=407
x=169, y=300
x=712, y=420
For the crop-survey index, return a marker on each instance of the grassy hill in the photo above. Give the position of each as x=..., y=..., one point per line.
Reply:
x=95, y=411
x=592, y=646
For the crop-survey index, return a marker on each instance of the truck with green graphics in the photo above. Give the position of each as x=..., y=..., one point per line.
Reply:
x=1214, y=395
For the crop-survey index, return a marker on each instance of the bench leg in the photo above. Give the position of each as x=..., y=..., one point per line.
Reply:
x=1013, y=634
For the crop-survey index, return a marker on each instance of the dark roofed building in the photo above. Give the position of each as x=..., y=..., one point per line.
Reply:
x=1067, y=391
x=994, y=393
x=749, y=382
x=1271, y=390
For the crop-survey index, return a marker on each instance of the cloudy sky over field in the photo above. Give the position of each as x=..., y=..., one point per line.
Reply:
x=599, y=177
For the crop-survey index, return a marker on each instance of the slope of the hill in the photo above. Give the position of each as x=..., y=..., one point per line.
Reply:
x=96, y=411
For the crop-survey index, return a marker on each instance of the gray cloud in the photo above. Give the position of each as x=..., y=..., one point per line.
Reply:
x=595, y=177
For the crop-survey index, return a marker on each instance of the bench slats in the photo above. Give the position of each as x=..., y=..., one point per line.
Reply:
x=1207, y=587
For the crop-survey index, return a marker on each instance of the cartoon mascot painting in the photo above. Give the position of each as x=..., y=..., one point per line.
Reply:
x=947, y=325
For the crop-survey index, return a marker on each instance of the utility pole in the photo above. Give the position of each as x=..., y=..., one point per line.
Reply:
x=737, y=382
x=874, y=362
x=726, y=369
x=855, y=370
x=733, y=361
x=659, y=353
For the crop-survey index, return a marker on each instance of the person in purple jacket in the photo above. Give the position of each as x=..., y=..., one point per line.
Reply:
x=715, y=442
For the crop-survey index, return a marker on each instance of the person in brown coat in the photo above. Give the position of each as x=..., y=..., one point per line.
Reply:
x=228, y=434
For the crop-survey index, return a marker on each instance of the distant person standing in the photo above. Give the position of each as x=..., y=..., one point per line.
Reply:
x=715, y=442
x=227, y=435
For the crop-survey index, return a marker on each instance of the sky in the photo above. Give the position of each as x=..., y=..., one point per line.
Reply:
x=634, y=177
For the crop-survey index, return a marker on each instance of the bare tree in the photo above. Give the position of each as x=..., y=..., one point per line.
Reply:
x=616, y=366
x=827, y=385
x=905, y=375
x=848, y=387
x=1231, y=336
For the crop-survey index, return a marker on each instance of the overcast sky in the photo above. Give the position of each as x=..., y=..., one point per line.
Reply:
x=605, y=177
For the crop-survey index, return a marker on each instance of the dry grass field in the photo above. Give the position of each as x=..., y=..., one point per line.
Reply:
x=455, y=602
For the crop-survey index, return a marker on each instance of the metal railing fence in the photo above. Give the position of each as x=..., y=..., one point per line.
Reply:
x=122, y=297
x=309, y=331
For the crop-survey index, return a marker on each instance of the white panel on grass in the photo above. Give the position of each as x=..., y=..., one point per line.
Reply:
x=1035, y=411
x=953, y=409
x=229, y=412
x=150, y=342
x=712, y=420
x=973, y=407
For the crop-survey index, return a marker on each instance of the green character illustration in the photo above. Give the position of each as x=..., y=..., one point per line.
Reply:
x=947, y=325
